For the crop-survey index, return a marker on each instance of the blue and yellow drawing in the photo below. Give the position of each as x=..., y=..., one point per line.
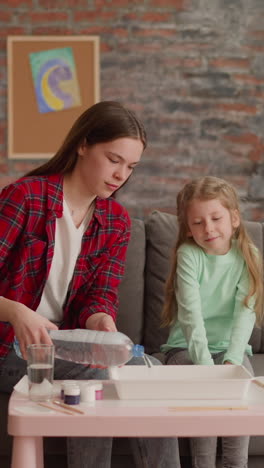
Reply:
x=55, y=79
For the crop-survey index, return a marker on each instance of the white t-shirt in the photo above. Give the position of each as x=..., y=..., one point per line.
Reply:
x=68, y=239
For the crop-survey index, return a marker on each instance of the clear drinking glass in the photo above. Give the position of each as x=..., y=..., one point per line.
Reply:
x=40, y=370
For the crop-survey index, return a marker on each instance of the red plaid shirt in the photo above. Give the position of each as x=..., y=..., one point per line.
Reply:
x=28, y=212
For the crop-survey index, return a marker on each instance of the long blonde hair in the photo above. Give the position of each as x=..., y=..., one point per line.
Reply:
x=208, y=188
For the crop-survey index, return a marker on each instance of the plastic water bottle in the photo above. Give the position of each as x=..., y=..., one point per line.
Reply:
x=17, y=347
x=92, y=347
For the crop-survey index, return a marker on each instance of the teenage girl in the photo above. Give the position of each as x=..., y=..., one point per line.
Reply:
x=62, y=252
x=216, y=282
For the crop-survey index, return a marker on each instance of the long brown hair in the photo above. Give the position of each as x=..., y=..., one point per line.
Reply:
x=103, y=122
x=208, y=188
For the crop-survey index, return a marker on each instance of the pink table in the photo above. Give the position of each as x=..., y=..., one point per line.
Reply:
x=127, y=418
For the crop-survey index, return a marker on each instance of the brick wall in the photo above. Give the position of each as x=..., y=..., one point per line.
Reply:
x=192, y=69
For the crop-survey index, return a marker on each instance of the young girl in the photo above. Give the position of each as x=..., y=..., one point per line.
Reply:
x=63, y=246
x=216, y=280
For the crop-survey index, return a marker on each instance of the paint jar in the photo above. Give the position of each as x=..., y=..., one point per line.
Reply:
x=99, y=391
x=88, y=392
x=72, y=394
x=64, y=383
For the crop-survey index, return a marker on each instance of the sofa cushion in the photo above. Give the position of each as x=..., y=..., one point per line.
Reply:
x=131, y=290
x=161, y=232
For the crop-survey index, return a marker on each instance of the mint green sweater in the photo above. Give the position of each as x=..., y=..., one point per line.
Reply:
x=211, y=314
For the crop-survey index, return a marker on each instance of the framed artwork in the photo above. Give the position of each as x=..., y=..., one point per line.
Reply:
x=51, y=81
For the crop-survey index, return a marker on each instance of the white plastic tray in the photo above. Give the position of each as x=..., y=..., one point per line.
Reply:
x=221, y=382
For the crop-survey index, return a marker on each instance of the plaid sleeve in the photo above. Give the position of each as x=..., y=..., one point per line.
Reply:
x=103, y=294
x=12, y=219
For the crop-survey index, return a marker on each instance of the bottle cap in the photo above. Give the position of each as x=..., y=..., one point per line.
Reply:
x=138, y=350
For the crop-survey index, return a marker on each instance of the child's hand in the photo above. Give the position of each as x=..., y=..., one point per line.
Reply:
x=228, y=362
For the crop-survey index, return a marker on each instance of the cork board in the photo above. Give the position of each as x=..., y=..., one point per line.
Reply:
x=34, y=133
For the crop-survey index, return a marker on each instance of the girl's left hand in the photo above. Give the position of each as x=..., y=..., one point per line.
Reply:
x=228, y=362
x=100, y=322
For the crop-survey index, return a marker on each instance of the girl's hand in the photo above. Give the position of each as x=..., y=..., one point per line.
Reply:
x=228, y=362
x=30, y=327
x=100, y=322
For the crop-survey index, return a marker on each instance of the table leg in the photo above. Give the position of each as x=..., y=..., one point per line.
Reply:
x=27, y=452
x=39, y=450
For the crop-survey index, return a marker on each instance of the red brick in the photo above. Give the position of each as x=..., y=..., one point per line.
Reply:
x=94, y=16
x=240, y=155
x=51, y=4
x=223, y=62
x=95, y=30
x=3, y=168
x=248, y=78
x=256, y=154
x=5, y=16
x=5, y=180
x=121, y=32
x=177, y=4
x=187, y=46
x=257, y=34
x=238, y=107
x=245, y=139
x=12, y=31
x=3, y=127
x=182, y=62
x=241, y=149
x=116, y=3
x=142, y=48
x=51, y=30
x=258, y=94
x=130, y=16
x=192, y=171
x=256, y=214
x=105, y=47
x=145, y=32
x=191, y=62
x=22, y=167
x=45, y=17
x=254, y=48
x=156, y=17
x=250, y=139
x=238, y=181
x=19, y=3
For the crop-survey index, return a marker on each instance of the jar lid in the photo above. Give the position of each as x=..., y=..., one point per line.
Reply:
x=72, y=390
x=68, y=382
x=88, y=392
x=98, y=386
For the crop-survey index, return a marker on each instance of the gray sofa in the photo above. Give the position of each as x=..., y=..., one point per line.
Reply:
x=141, y=297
